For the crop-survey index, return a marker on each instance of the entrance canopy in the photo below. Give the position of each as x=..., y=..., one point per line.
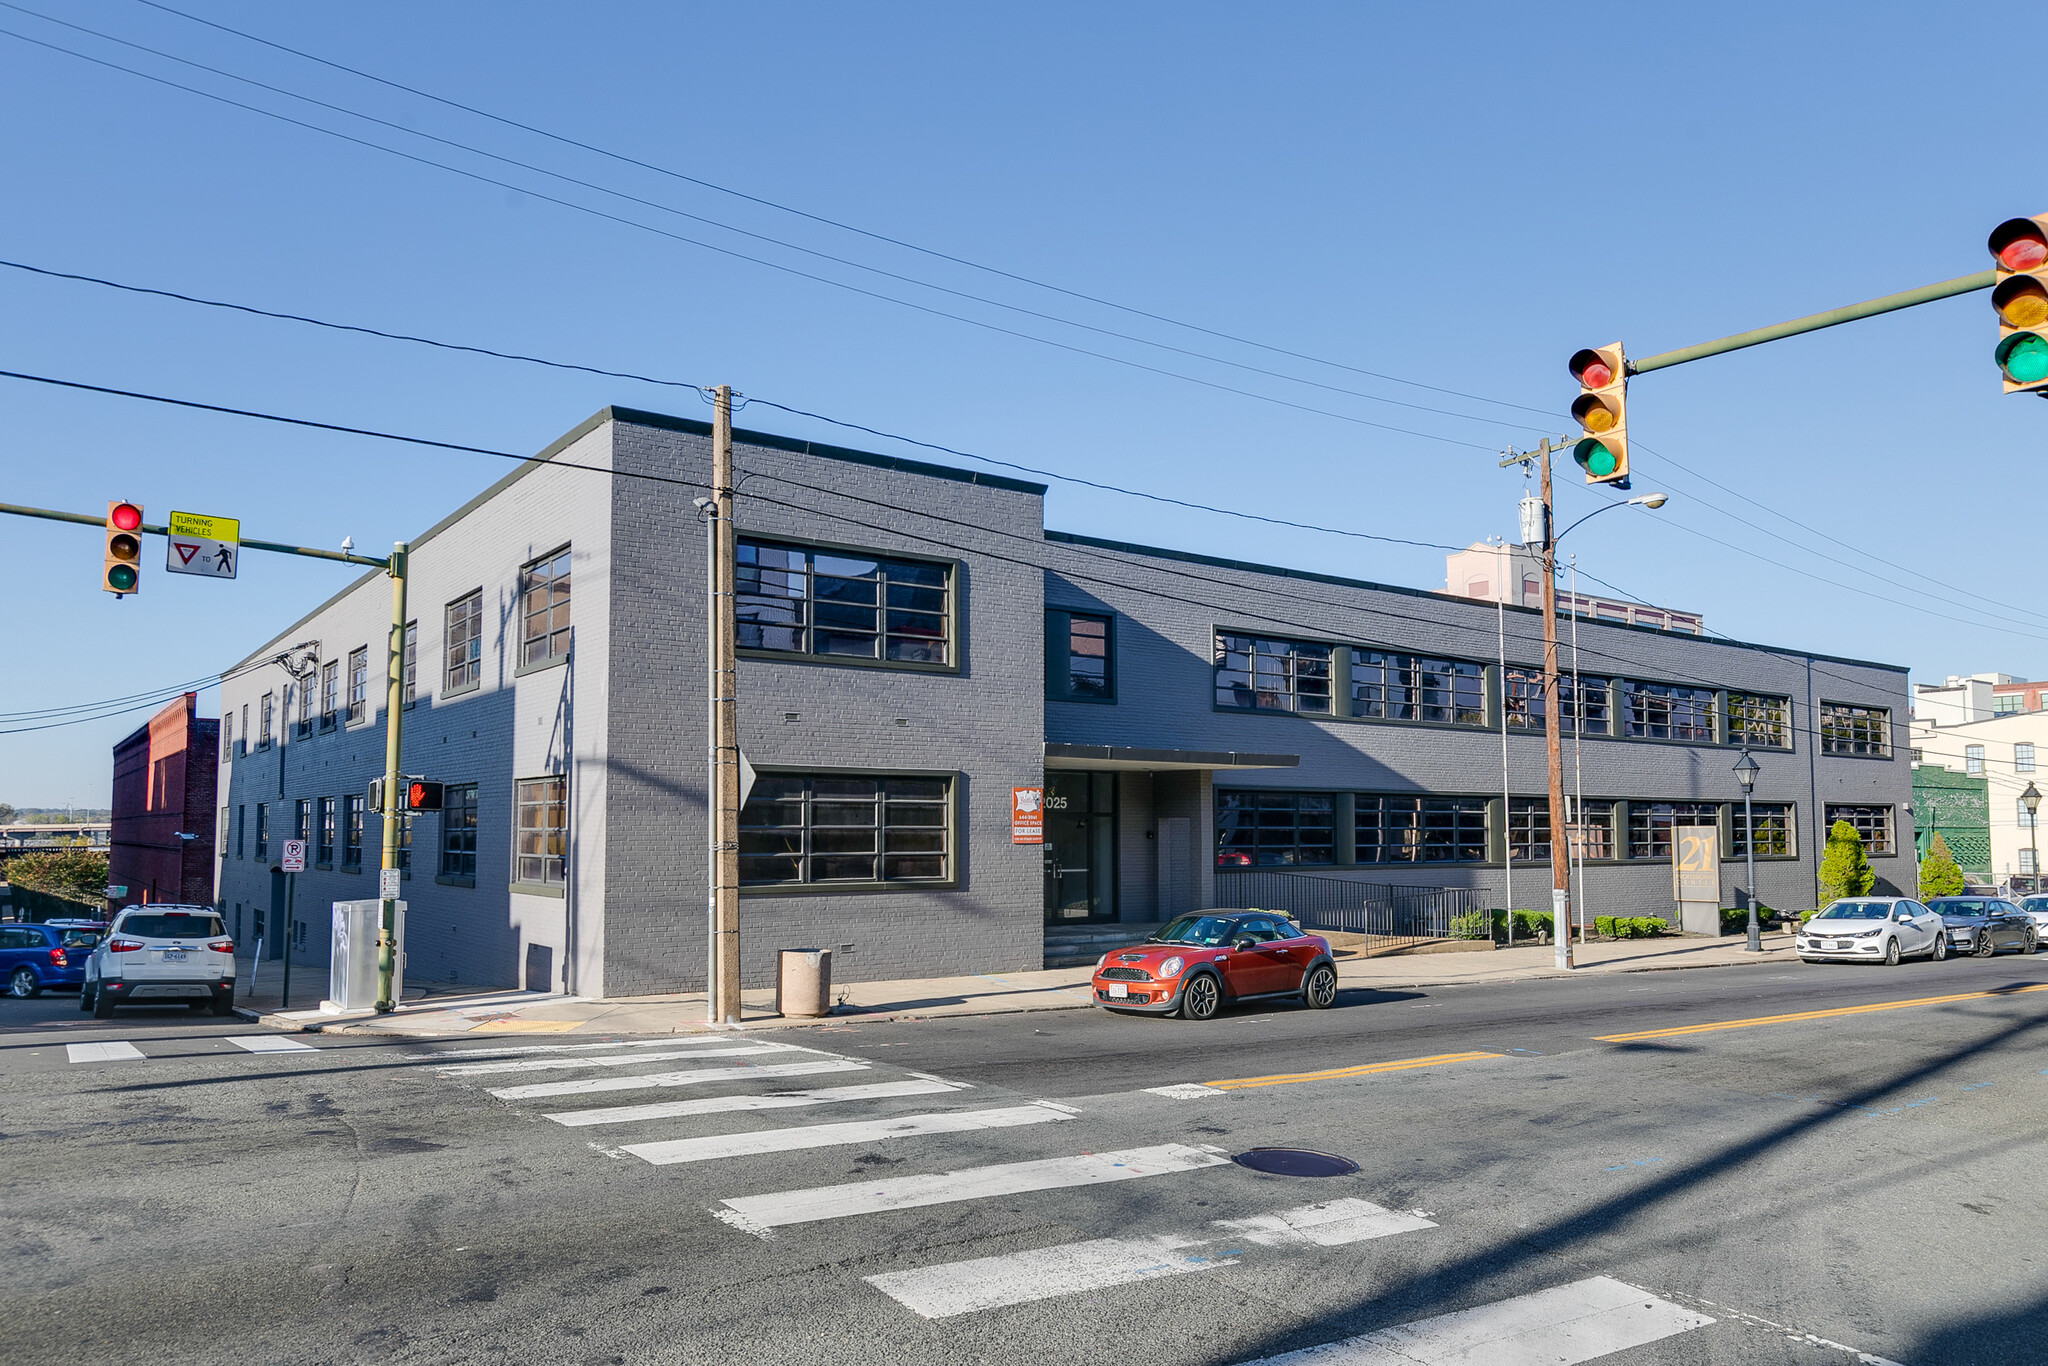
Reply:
x=1124, y=759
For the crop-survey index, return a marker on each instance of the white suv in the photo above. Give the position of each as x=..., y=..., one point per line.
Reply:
x=162, y=953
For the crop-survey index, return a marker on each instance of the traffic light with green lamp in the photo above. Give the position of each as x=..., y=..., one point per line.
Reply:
x=2019, y=247
x=1601, y=408
x=121, y=571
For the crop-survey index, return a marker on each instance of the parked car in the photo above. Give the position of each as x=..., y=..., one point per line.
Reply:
x=1985, y=924
x=35, y=957
x=1196, y=963
x=1872, y=929
x=162, y=953
x=2036, y=908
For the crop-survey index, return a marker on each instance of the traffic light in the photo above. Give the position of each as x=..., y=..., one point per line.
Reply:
x=421, y=795
x=122, y=569
x=1601, y=408
x=2019, y=247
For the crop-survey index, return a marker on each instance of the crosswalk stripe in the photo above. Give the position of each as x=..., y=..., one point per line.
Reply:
x=508, y=1050
x=1557, y=1327
x=114, y=1050
x=942, y=1291
x=480, y=1069
x=775, y=1100
x=270, y=1043
x=669, y=1152
x=760, y=1213
x=737, y=1072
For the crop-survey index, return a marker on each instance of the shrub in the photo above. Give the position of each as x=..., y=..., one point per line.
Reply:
x=74, y=875
x=1844, y=868
x=1529, y=924
x=1471, y=925
x=1603, y=925
x=1939, y=875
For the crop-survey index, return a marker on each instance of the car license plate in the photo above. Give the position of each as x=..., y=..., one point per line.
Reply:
x=1119, y=989
x=173, y=955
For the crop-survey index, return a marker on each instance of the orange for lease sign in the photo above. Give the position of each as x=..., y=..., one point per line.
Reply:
x=1027, y=815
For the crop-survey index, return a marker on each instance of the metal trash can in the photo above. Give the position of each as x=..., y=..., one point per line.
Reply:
x=803, y=983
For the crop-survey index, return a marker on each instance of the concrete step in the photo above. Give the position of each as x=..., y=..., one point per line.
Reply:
x=1078, y=946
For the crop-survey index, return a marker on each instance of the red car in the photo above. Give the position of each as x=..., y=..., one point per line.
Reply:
x=1196, y=963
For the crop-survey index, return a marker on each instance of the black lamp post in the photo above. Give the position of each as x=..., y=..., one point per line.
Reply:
x=1746, y=770
x=2032, y=798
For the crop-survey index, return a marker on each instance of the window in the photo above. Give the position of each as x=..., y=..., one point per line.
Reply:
x=1649, y=824
x=544, y=608
x=1421, y=829
x=1593, y=832
x=1272, y=675
x=358, y=683
x=299, y=818
x=462, y=642
x=1764, y=722
x=324, y=815
x=2026, y=817
x=227, y=733
x=305, y=721
x=1079, y=665
x=1274, y=829
x=1524, y=701
x=263, y=720
x=262, y=830
x=412, y=659
x=1873, y=823
x=1413, y=688
x=1773, y=831
x=2027, y=862
x=1661, y=711
x=1973, y=760
x=818, y=830
x=2023, y=758
x=543, y=847
x=352, y=832
x=1855, y=730
x=1917, y=756
x=2006, y=703
x=1521, y=698
x=245, y=732
x=226, y=824
x=1529, y=829
x=846, y=605
x=404, y=862
x=241, y=828
x=458, y=831
x=330, y=693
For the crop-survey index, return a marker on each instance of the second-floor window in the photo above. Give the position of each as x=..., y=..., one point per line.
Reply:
x=801, y=600
x=330, y=693
x=1523, y=700
x=299, y=818
x=1663, y=711
x=358, y=684
x=262, y=830
x=1416, y=688
x=1759, y=721
x=412, y=659
x=227, y=732
x=263, y=720
x=1861, y=731
x=458, y=831
x=544, y=608
x=1078, y=662
x=1973, y=760
x=462, y=642
x=1272, y=675
x=2023, y=758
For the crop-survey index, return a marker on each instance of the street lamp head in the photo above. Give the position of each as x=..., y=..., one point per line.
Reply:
x=2032, y=797
x=1652, y=500
x=1746, y=770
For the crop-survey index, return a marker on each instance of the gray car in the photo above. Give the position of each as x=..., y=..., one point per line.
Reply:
x=1985, y=924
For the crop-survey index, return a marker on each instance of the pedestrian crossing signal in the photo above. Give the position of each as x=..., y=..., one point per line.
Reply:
x=1602, y=410
x=423, y=796
x=121, y=570
x=2019, y=251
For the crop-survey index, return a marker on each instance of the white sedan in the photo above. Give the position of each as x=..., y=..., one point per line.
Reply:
x=1871, y=929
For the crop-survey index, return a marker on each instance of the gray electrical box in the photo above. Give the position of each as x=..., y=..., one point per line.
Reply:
x=352, y=967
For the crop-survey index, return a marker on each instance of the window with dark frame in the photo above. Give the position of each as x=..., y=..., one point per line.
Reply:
x=299, y=809
x=1592, y=833
x=241, y=828
x=1759, y=721
x=1773, y=831
x=405, y=841
x=1860, y=731
x=1529, y=829
x=358, y=684
x=1649, y=824
x=303, y=727
x=462, y=642
x=330, y=693
x=1396, y=687
x=1873, y=823
x=1665, y=711
x=227, y=733
x=263, y=720
x=819, y=829
x=352, y=832
x=323, y=814
x=541, y=854
x=1257, y=674
x=458, y=831
x=1420, y=829
x=1523, y=699
x=1275, y=829
x=797, y=599
x=412, y=659
x=1079, y=659
x=544, y=608
x=262, y=830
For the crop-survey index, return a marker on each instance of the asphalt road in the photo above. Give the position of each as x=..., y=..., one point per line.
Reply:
x=1854, y=1186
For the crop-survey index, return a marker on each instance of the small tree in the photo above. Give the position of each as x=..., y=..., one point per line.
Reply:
x=1844, y=867
x=1939, y=875
x=6, y=813
x=75, y=875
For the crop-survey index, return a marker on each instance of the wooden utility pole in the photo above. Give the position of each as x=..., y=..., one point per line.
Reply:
x=725, y=796
x=1553, y=735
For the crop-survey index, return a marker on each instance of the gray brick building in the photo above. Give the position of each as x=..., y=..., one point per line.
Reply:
x=915, y=644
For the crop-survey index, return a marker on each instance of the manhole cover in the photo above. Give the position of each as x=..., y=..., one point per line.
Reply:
x=1295, y=1162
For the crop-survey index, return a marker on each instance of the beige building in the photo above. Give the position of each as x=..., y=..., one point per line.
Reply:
x=1513, y=574
x=2005, y=750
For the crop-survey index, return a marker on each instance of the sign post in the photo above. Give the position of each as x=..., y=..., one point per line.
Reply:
x=207, y=546
x=293, y=863
x=1027, y=815
x=1696, y=877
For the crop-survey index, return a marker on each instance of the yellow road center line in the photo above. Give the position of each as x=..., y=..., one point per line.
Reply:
x=1336, y=1073
x=1812, y=1015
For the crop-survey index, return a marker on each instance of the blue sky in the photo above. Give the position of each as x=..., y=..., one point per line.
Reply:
x=1453, y=196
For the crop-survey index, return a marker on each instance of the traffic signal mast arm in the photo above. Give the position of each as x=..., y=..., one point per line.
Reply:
x=83, y=519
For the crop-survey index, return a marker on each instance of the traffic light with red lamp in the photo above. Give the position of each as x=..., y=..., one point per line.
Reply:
x=121, y=571
x=1602, y=410
x=2019, y=249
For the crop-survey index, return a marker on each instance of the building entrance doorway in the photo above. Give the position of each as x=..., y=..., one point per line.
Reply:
x=1080, y=848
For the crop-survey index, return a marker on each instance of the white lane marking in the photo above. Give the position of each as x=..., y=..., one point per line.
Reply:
x=114, y=1050
x=509, y=1050
x=938, y=1292
x=270, y=1043
x=669, y=1152
x=758, y=1213
x=737, y=1072
x=1056, y=1105
x=1557, y=1327
x=480, y=1069
x=1192, y=1090
x=774, y=1100
x=1799, y=1335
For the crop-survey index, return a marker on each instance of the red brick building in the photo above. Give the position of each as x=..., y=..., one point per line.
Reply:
x=166, y=780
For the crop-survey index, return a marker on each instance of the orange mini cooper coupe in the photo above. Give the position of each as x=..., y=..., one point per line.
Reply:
x=1198, y=962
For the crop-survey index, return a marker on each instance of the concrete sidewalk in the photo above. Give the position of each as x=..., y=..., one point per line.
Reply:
x=505, y=1012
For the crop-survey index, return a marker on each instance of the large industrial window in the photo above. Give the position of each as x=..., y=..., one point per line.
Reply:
x=1773, y=831
x=1862, y=731
x=820, y=829
x=843, y=604
x=544, y=608
x=1763, y=722
x=358, y=684
x=1274, y=829
x=1079, y=662
x=458, y=831
x=462, y=642
x=1529, y=829
x=1649, y=824
x=1873, y=823
x=1413, y=688
x=1272, y=675
x=1661, y=711
x=1593, y=832
x=1523, y=700
x=1421, y=829
x=542, y=856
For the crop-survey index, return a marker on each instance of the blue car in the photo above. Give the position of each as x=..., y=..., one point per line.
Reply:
x=35, y=957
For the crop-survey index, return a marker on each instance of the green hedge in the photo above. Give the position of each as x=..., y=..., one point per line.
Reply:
x=1629, y=926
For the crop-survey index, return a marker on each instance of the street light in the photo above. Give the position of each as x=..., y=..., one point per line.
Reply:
x=1746, y=770
x=2032, y=798
x=1648, y=500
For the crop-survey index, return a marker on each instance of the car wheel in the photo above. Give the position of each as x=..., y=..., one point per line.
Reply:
x=85, y=995
x=1319, y=991
x=102, y=1005
x=1940, y=949
x=224, y=1005
x=1891, y=952
x=1201, y=998
x=2032, y=943
x=23, y=984
x=1985, y=948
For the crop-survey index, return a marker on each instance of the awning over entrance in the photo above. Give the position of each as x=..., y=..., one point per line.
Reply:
x=1124, y=759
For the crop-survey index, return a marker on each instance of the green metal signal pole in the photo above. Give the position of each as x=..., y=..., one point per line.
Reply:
x=1814, y=322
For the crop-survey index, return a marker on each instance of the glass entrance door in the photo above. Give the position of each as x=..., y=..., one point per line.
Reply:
x=1080, y=847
